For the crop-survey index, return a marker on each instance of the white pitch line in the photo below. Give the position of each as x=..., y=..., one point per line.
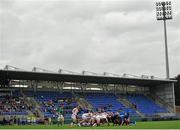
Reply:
x=89, y=129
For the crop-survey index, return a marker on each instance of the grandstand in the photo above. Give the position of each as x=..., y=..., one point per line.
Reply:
x=39, y=94
x=177, y=94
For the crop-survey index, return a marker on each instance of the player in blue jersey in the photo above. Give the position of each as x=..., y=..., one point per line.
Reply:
x=126, y=119
x=121, y=118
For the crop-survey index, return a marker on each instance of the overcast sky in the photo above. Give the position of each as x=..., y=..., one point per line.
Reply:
x=119, y=36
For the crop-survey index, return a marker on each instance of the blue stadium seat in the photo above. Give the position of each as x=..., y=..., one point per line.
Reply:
x=146, y=105
x=50, y=101
x=108, y=102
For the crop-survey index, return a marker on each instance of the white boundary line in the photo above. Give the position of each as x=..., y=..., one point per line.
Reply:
x=90, y=129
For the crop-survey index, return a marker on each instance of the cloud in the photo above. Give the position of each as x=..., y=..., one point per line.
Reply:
x=98, y=35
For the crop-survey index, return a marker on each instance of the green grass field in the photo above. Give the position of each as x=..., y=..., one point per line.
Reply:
x=139, y=125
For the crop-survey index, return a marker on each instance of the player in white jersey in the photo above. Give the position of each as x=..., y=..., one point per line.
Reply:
x=75, y=111
x=92, y=120
x=101, y=118
x=85, y=118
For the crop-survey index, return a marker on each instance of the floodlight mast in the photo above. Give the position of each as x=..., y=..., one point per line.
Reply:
x=163, y=11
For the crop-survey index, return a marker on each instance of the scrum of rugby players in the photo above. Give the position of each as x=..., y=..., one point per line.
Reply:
x=99, y=118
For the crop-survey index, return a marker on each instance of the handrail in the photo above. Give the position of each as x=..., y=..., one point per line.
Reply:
x=161, y=101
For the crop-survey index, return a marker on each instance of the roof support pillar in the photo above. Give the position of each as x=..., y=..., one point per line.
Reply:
x=61, y=85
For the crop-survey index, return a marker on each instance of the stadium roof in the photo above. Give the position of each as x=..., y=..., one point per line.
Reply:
x=44, y=76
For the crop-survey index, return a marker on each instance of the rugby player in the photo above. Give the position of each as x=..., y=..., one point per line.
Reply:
x=75, y=111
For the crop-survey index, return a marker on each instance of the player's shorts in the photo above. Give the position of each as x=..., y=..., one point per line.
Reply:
x=93, y=118
x=98, y=118
x=61, y=118
x=84, y=117
x=74, y=117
